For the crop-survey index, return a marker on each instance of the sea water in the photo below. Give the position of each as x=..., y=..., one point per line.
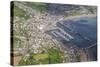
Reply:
x=83, y=30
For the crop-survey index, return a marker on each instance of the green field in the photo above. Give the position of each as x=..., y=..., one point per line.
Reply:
x=20, y=13
x=53, y=56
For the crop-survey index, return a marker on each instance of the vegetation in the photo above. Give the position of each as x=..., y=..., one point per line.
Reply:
x=92, y=9
x=80, y=10
x=40, y=56
x=20, y=13
x=53, y=56
x=41, y=7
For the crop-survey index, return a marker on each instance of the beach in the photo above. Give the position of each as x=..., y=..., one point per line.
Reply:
x=79, y=16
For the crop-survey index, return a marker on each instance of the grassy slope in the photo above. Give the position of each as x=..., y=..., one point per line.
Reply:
x=53, y=56
x=20, y=13
x=40, y=56
x=40, y=7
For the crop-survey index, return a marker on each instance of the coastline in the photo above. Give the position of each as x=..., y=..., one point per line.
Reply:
x=87, y=55
x=80, y=16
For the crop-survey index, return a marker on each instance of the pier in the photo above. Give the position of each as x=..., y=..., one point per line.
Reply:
x=58, y=34
x=66, y=34
x=91, y=46
x=73, y=31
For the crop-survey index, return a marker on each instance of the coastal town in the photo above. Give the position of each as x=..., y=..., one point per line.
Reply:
x=39, y=37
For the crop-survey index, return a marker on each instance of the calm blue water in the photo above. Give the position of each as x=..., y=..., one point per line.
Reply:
x=84, y=30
